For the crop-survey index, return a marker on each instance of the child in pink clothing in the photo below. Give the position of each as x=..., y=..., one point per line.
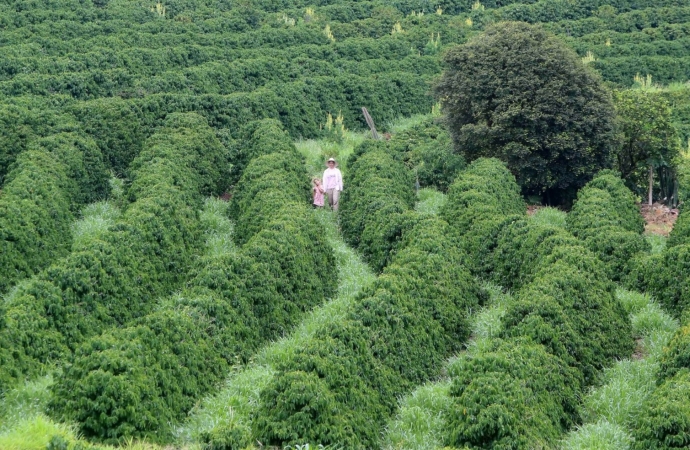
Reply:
x=318, y=191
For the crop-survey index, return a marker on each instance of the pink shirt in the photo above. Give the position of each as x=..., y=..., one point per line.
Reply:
x=332, y=179
x=318, y=195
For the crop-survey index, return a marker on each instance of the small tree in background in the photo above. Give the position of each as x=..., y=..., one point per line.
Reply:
x=648, y=139
x=519, y=94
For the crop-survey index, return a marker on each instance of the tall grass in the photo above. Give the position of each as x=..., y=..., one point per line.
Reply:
x=95, y=221
x=549, y=217
x=218, y=229
x=430, y=201
x=238, y=398
x=657, y=242
x=404, y=123
x=316, y=152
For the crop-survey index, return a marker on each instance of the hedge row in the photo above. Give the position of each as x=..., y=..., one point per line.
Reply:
x=46, y=180
x=140, y=380
x=342, y=385
x=481, y=201
x=606, y=218
x=377, y=202
x=217, y=77
x=119, y=126
x=35, y=216
x=681, y=229
x=522, y=390
x=146, y=254
x=664, y=420
x=21, y=125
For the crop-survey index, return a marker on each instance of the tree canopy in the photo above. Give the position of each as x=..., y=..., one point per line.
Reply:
x=647, y=135
x=519, y=94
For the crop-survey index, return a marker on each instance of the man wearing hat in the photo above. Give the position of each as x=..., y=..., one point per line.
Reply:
x=333, y=183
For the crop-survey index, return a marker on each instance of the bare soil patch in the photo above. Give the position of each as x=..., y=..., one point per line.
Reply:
x=659, y=219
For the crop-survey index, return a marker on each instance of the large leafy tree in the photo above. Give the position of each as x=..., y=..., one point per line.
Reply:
x=648, y=139
x=519, y=94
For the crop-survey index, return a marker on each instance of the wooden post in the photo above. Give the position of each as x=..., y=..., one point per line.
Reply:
x=651, y=183
x=370, y=122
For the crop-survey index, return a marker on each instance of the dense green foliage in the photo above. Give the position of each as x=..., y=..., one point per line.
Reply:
x=377, y=202
x=138, y=380
x=664, y=423
x=648, y=137
x=185, y=99
x=35, y=216
x=519, y=94
x=606, y=218
x=521, y=390
x=427, y=149
x=117, y=277
x=481, y=201
x=344, y=383
x=681, y=229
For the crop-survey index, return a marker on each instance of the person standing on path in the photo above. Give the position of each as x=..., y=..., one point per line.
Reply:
x=333, y=183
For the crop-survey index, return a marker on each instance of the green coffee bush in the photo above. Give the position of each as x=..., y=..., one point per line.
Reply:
x=117, y=277
x=607, y=219
x=256, y=197
x=196, y=147
x=570, y=308
x=482, y=200
x=623, y=198
x=332, y=391
x=520, y=251
x=515, y=395
x=35, y=216
x=676, y=355
x=426, y=149
x=83, y=163
x=116, y=125
x=375, y=203
x=664, y=422
x=681, y=229
x=664, y=276
x=233, y=303
x=342, y=386
x=616, y=247
x=257, y=138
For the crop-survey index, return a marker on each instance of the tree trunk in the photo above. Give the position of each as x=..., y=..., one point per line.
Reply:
x=651, y=183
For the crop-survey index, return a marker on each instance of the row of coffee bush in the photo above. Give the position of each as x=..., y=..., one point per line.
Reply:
x=217, y=77
x=608, y=221
x=664, y=421
x=138, y=381
x=343, y=384
x=522, y=389
x=120, y=126
x=480, y=203
x=117, y=277
x=377, y=203
x=44, y=187
x=378, y=200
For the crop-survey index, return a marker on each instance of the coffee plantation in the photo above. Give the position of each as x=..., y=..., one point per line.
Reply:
x=166, y=282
